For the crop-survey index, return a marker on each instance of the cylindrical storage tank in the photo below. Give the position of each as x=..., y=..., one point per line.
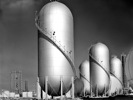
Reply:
x=99, y=68
x=116, y=69
x=115, y=85
x=84, y=69
x=55, y=47
x=129, y=68
x=12, y=94
x=24, y=94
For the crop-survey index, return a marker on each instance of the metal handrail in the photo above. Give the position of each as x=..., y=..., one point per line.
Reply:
x=116, y=78
x=84, y=77
x=100, y=65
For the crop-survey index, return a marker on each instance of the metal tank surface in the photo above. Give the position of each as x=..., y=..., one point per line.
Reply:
x=84, y=69
x=99, y=69
x=115, y=86
x=116, y=69
x=55, y=47
x=129, y=68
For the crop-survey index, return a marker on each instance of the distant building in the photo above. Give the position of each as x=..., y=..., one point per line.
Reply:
x=16, y=82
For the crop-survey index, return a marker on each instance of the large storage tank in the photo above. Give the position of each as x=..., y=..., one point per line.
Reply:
x=84, y=69
x=117, y=70
x=129, y=68
x=55, y=47
x=99, y=68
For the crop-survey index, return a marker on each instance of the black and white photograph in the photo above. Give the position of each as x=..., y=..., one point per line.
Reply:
x=66, y=50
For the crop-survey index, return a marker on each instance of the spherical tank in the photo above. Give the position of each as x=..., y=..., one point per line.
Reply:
x=116, y=68
x=55, y=47
x=99, y=68
x=115, y=85
x=84, y=69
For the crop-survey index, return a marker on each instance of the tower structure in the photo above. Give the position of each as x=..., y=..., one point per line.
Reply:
x=26, y=86
x=16, y=81
x=125, y=83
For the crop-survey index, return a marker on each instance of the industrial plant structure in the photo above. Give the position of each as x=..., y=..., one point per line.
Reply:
x=56, y=69
x=99, y=77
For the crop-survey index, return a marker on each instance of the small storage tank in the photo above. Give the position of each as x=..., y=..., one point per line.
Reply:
x=116, y=69
x=115, y=85
x=84, y=69
x=99, y=68
x=55, y=47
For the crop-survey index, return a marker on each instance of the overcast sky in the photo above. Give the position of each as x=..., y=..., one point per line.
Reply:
x=107, y=21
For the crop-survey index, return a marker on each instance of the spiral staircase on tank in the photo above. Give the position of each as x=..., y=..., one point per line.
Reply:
x=50, y=36
x=101, y=66
x=108, y=73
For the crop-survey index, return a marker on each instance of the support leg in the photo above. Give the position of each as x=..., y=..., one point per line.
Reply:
x=72, y=87
x=46, y=87
x=91, y=90
x=61, y=80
